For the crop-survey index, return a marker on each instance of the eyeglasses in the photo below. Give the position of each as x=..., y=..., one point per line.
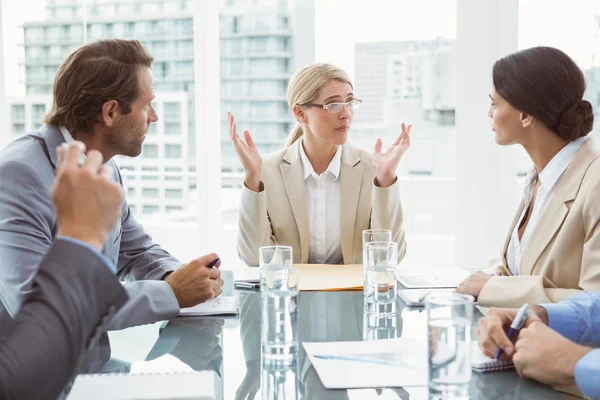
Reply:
x=335, y=108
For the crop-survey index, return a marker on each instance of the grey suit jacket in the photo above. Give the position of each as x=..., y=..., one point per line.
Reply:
x=72, y=295
x=28, y=227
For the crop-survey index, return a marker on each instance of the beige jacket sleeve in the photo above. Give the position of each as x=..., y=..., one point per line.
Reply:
x=387, y=214
x=514, y=291
x=254, y=225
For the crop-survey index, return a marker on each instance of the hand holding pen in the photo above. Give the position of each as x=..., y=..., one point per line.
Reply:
x=515, y=327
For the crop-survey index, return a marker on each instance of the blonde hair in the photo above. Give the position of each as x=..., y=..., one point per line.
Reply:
x=305, y=85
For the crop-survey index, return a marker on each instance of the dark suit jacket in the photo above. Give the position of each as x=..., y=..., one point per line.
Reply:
x=73, y=297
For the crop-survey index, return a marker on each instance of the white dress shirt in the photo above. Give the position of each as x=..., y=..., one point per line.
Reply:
x=549, y=177
x=323, y=200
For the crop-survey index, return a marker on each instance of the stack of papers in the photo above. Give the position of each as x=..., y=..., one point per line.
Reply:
x=224, y=305
x=424, y=278
x=377, y=363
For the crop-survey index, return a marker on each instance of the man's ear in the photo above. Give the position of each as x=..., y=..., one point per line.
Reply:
x=110, y=111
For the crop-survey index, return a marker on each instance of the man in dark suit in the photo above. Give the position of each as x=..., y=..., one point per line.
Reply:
x=74, y=292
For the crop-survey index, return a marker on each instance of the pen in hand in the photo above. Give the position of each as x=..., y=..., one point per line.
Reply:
x=515, y=327
x=213, y=262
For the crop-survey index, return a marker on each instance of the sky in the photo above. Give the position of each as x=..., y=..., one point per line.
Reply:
x=339, y=24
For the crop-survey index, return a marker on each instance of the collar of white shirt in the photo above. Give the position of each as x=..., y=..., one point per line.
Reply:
x=334, y=167
x=555, y=168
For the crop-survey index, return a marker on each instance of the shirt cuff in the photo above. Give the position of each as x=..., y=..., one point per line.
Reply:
x=563, y=319
x=587, y=374
x=106, y=261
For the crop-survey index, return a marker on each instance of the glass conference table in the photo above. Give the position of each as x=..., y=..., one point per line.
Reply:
x=227, y=350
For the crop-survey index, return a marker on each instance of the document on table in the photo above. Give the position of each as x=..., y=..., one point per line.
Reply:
x=318, y=277
x=421, y=278
x=376, y=363
x=223, y=305
x=329, y=277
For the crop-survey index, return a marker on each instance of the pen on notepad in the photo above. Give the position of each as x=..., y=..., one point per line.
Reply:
x=422, y=297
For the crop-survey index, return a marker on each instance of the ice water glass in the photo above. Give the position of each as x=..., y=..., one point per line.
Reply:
x=279, y=322
x=449, y=318
x=381, y=261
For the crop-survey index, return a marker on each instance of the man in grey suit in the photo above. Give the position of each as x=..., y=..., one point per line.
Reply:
x=102, y=97
x=75, y=290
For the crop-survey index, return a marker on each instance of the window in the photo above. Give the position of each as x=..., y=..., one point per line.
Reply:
x=173, y=174
x=174, y=194
x=172, y=111
x=149, y=193
x=150, y=173
x=18, y=129
x=148, y=210
x=130, y=192
x=172, y=129
x=37, y=114
x=18, y=112
x=150, y=151
x=174, y=208
x=152, y=130
x=172, y=151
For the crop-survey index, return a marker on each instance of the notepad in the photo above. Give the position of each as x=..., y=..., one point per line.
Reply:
x=481, y=363
x=164, y=386
x=223, y=305
x=421, y=278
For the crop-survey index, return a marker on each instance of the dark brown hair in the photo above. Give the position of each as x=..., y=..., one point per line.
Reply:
x=92, y=75
x=546, y=83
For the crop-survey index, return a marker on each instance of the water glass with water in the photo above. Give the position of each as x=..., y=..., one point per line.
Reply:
x=381, y=262
x=275, y=255
x=279, y=322
x=449, y=318
x=372, y=235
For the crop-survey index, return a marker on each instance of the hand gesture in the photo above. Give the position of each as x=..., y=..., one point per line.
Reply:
x=387, y=163
x=248, y=155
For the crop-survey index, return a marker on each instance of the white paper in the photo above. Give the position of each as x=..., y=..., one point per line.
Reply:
x=420, y=278
x=223, y=305
x=381, y=363
x=168, y=386
x=411, y=296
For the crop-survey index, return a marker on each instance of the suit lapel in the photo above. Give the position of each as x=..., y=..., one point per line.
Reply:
x=557, y=208
x=293, y=180
x=351, y=181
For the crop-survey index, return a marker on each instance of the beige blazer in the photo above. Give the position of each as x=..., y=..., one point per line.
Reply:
x=278, y=213
x=562, y=255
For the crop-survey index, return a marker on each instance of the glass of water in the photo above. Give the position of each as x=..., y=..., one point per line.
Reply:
x=279, y=322
x=449, y=317
x=377, y=327
x=280, y=381
x=372, y=235
x=381, y=262
x=275, y=255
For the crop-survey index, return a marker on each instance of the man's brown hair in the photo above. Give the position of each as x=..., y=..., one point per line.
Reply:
x=92, y=75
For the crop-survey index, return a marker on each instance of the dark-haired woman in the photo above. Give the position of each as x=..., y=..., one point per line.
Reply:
x=552, y=250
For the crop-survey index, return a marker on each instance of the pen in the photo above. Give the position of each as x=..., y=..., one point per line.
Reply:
x=247, y=285
x=213, y=262
x=516, y=326
x=422, y=297
x=357, y=359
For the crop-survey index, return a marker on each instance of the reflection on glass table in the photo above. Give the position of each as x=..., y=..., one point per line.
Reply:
x=229, y=351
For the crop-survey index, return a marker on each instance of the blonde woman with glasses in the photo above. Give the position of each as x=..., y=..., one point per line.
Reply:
x=319, y=193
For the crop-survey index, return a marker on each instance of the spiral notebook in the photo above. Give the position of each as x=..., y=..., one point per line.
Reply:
x=151, y=386
x=481, y=363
